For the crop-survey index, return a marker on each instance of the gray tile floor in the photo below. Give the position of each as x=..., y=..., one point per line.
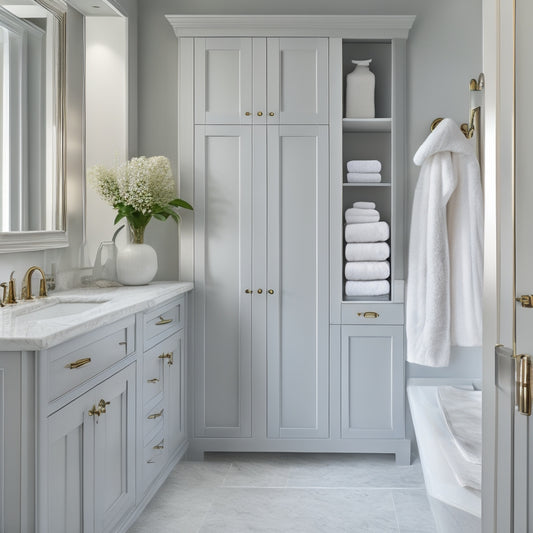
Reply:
x=297, y=493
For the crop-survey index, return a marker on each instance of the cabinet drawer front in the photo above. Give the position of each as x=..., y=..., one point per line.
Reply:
x=162, y=322
x=372, y=313
x=154, y=459
x=74, y=362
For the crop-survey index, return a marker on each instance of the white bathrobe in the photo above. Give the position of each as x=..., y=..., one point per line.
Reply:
x=444, y=286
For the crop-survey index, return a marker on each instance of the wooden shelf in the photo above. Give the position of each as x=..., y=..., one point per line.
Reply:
x=368, y=125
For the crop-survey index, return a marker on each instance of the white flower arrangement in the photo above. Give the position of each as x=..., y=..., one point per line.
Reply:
x=139, y=189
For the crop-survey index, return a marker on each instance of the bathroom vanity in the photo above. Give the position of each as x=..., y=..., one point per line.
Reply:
x=93, y=384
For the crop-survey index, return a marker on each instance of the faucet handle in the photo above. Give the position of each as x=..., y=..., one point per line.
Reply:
x=11, y=290
x=3, y=299
x=42, y=288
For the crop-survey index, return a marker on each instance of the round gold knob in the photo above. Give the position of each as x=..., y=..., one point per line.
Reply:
x=271, y=114
x=270, y=291
x=259, y=291
x=259, y=113
x=248, y=291
x=247, y=113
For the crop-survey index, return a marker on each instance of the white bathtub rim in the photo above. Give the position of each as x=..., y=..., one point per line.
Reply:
x=432, y=434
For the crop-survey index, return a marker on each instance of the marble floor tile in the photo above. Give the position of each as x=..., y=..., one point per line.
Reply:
x=413, y=511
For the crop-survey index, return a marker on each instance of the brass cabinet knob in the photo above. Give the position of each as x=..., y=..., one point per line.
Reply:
x=369, y=314
x=79, y=363
x=169, y=356
x=271, y=114
x=259, y=113
x=163, y=321
x=247, y=113
x=259, y=291
x=270, y=291
x=153, y=416
x=248, y=291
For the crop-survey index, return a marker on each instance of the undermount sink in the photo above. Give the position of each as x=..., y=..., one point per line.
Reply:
x=57, y=308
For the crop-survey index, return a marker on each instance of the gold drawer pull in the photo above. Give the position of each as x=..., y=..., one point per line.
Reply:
x=123, y=343
x=247, y=113
x=259, y=113
x=270, y=291
x=159, y=446
x=153, y=380
x=163, y=321
x=169, y=356
x=369, y=314
x=155, y=415
x=79, y=363
x=100, y=410
x=271, y=114
x=150, y=461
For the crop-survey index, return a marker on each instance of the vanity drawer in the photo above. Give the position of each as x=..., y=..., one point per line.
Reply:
x=72, y=363
x=373, y=313
x=162, y=322
x=155, y=361
x=154, y=459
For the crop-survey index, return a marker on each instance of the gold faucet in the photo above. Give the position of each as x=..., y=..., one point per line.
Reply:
x=26, y=287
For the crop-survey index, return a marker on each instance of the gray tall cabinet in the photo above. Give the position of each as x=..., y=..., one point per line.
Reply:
x=283, y=360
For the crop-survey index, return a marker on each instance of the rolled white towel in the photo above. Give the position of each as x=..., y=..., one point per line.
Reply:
x=363, y=177
x=361, y=219
x=363, y=165
x=367, y=251
x=365, y=205
x=367, y=288
x=368, y=232
x=359, y=211
x=367, y=270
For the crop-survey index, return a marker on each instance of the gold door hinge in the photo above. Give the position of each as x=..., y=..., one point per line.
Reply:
x=523, y=384
x=526, y=300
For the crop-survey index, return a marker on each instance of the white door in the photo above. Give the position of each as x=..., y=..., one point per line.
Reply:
x=297, y=290
x=223, y=280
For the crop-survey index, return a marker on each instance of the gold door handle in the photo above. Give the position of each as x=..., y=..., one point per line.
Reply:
x=259, y=113
x=159, y=446
x=153, y=380
x=79, y=363
x=248, y=291
x=123, y=343
x=153, y=416
x=524, y=384
x=102, y=405
x=368, y=314
x=169, y=356
x=526, y=300
x=247, y=113
x=270, y=291
x=100, y=409
x=163, y=321
x=259, y=291
x=271, y=114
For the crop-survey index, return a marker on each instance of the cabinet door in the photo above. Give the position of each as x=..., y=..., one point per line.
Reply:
x=372, y=383
x=114, y=449
x=223, y=243
x=297, y=77
x=70, y=468
x=297, y=309
x=223, y=80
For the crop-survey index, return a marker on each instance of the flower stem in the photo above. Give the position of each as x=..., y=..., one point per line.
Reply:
x=137, y=234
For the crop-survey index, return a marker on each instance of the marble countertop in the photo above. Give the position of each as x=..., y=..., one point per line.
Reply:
x=19, y=330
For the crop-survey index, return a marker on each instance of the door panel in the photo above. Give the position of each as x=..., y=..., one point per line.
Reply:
x=297, y=311
x=297, y=86
x=223, y=80
x=223, y=237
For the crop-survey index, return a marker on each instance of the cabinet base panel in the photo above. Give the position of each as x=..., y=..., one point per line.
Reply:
x=401, y=448
x=150, y=493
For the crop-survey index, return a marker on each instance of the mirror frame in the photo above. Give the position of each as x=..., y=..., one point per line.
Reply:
x=25, y=241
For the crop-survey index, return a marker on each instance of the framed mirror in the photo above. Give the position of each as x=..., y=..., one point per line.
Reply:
x=32, y=125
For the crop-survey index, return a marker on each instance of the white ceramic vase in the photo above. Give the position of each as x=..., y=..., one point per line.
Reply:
x=136, y=262
x=360, y=86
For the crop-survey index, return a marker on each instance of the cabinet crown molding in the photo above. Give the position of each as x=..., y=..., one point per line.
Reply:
x=346, y=26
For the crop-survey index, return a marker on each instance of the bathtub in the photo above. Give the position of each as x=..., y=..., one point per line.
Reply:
x=455, y=508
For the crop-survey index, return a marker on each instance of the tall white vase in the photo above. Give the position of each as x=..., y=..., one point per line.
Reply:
x=360, y=87
x=136, y=262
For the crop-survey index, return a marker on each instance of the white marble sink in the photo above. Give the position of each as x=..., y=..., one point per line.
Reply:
x=56, y=308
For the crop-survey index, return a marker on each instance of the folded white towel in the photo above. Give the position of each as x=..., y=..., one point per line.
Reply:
x=370, y=232
x=361, y=219
x=365, y=205
x=367, y=288
x=363, y=177
x=367, y=270
x=362, y=165
x=355, y=215
x=367, y=251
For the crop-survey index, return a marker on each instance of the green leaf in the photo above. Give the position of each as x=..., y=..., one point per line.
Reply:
x=177, y=202
x=159, y=216
x=119, y=216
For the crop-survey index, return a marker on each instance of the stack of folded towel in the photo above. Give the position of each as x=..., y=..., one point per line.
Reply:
x=363, y=171
x=367, y=268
